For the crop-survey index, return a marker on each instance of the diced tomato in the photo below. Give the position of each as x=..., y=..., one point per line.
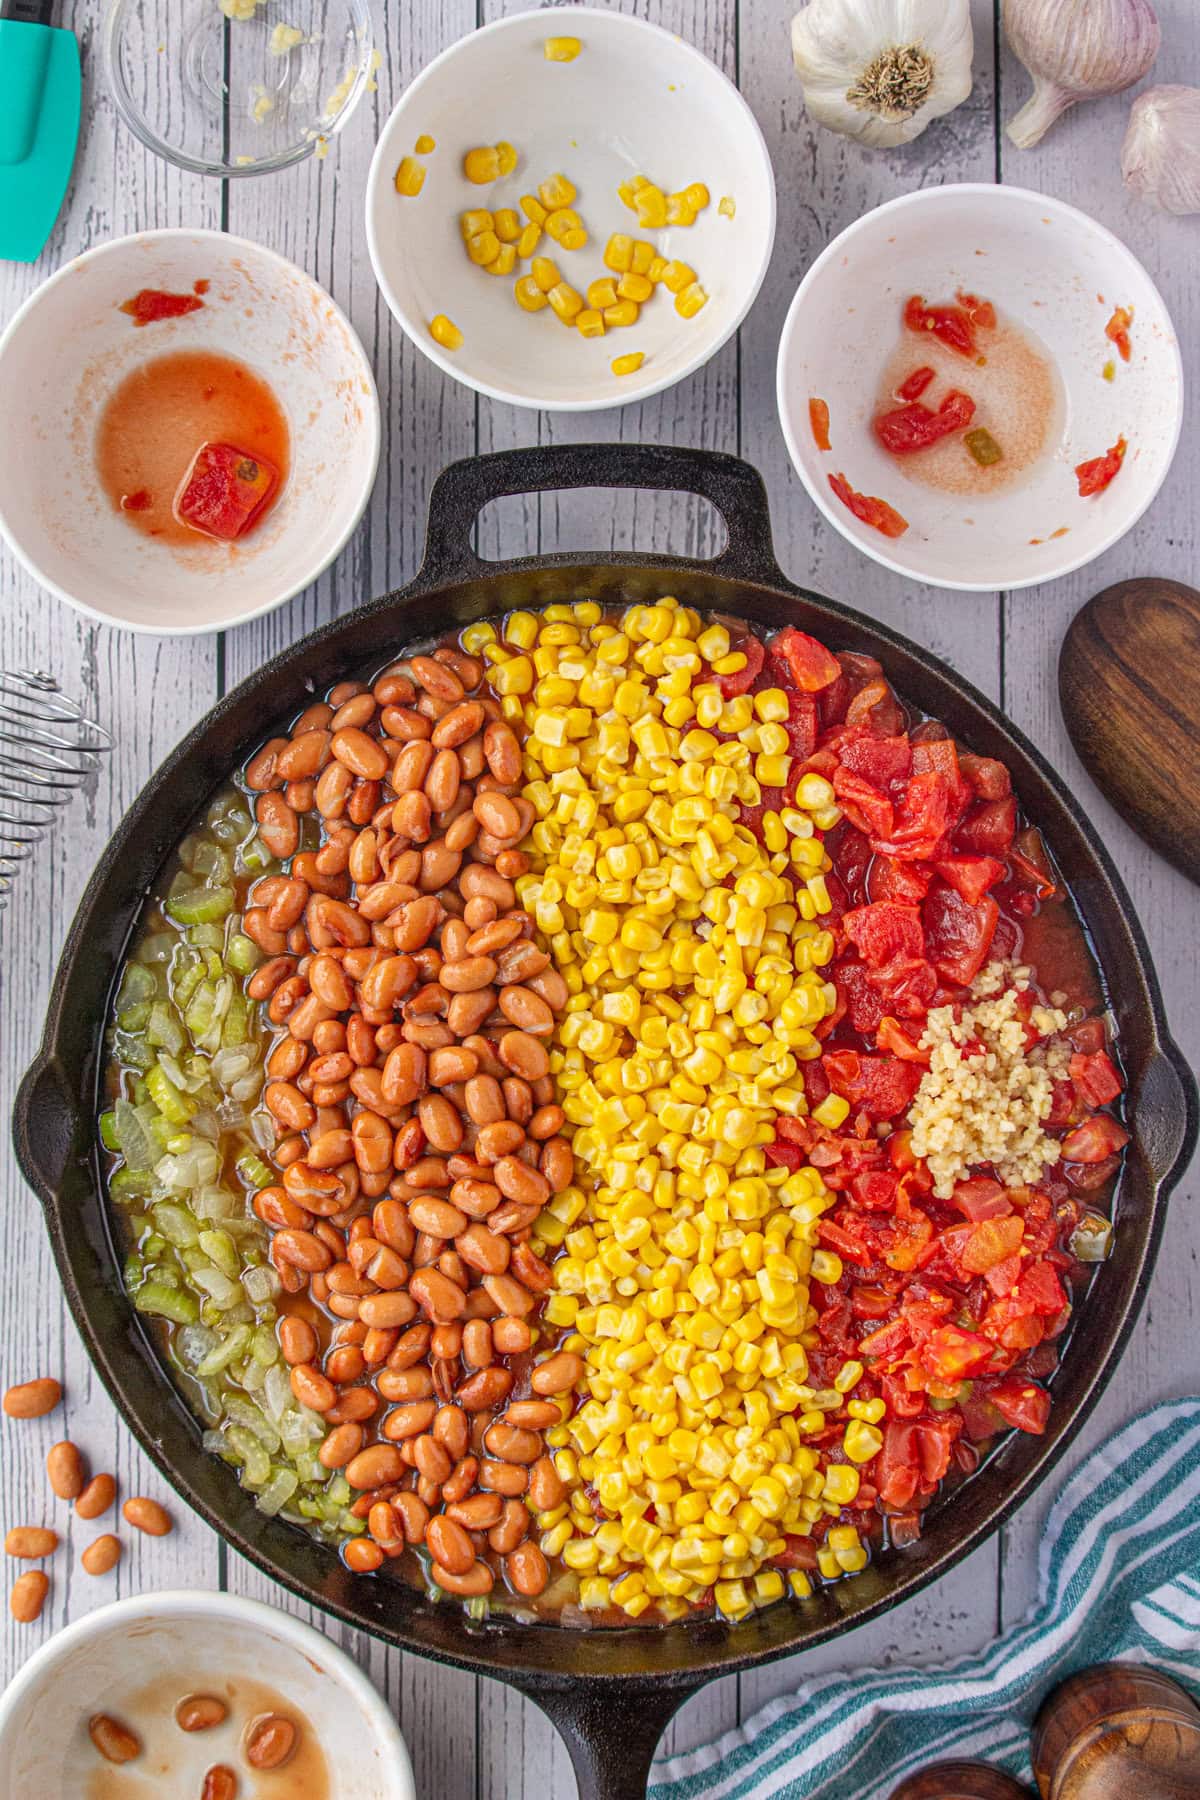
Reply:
x=1101, y=471
x=151, y=304
x=881, y=1085
x=797, y=1553
x=1094, y=1140
x=917, y=382
x=928, y=811
x=884, y=930
x=863, y=1005
x=1041, y=1290
x=782, y=1155
x=835, y=1237
x=935, y=1439
x=801, y=724
x=991, y=1241
x=906, y=985
x=904, y=1529
x=980, y=312
x=871, y=510
x=1063, y=1106
x=938, y=753
x=951, y=325
x=970, y=876
x=989, y=778
x=1117, y=331
x=988, y=828
x=958, y=935
x=914, y=426
x=979, y=1197
x=863, y=804
x=810, y=665
x=1087, y=1035
x=897, y=1467
x=224, y=491
x=742, y=680
x=875, y=1189
x=905, y=882
x=818, y=419
x=910, y=1238
x=1021, y=1403
x=892, y=1038
x=954, y=1354
x=870, y=1302
x=880, y=760
x=1095, y=1078
x=1086, y=1178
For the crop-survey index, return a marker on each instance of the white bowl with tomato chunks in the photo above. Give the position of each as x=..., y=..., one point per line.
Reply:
x=980, y=387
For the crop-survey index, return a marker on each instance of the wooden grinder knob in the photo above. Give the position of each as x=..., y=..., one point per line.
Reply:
x=961, y=1781
x=1118, y=1732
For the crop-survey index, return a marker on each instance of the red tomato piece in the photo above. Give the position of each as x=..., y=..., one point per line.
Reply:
x=1101, y=471
x=988, y=828
x=883, y=930
x=897, y=1467
x=783, y=1155
x=871, y=510
x=980, y=312
x=880, y=760
x=224, y=491
x=979, y=1197
x=1117, y=331
x=991, y=1241
x=801, y=724
x=915, y=427
x=970, y=876
x=915, y=386
x=1021, y=1403
x=863, y=804
x=930, y=807
x=1095, y=1140
x=906, y=882
x=864, y=1007
x=818, y=418
x=875, y=1189
x=152, y=304
x=881, y=1086
x=951, y=325
x=895, y=1041
x=742, y=680
x=989, y=778
x=810, y=665
x=959, y=935
x=1096, y=1080
x=951, y=1354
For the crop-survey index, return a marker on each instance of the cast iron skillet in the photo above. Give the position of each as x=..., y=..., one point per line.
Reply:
x=610, y=1692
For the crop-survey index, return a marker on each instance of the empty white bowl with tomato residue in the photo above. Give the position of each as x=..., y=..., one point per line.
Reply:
x=134, y=1661
x=1057, y=277
x=68, y=350
x=634, y=100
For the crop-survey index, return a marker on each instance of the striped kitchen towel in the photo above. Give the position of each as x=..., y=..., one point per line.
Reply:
x=1118, y=1577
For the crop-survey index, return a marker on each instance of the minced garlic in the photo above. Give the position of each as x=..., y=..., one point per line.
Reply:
x=989, y=1107
x=285, y=38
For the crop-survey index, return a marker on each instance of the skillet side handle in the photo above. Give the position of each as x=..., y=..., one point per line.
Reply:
x=734, y=488
x=1166, y=1114
x=612, y=1733
x=45, y=1128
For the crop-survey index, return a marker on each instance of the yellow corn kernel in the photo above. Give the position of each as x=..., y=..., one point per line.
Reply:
x=618, y=253
x=508, y=157
x=529, y=240
x=655, y=272
x=566, y=302
x=410, y=177
x=482, y=165
x=848, y=1377
x=832, y=1112
x=727, y=206
x=533, y=209
x=483, y=248
x=697, y=196
x=528, y=294
x=862, y=1441
x=841, y=1485
x=628, y=365
x=562, y=220
x=677, y=276
x=625, y=312
x=544, y=273
x=574, y=240
x=445, y=332
x=635, y=287
x=589, y=323
x=475, y=220
x=425, y=145
x=650, y=205
x=689, y=303
x=561, y=49
x=602, y=293
x=506, y=224
x=556, y=192
x=505, y=261
x=643, y=256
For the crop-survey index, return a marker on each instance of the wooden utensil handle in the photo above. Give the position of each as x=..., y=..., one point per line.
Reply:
x=961, y=1781
x=1115, y=1731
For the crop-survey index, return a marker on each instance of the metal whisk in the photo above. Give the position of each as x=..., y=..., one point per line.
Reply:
x=48, y=748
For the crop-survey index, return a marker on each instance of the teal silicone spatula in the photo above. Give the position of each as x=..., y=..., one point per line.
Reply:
x=40, y=86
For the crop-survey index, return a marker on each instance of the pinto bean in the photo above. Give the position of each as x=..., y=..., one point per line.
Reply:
x=502, y=751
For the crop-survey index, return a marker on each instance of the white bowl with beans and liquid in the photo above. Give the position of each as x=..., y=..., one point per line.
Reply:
x=133, y=1661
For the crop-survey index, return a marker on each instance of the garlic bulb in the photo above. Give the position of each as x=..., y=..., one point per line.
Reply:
x=1076, y=49
x=1160, y=158
x=881, y=70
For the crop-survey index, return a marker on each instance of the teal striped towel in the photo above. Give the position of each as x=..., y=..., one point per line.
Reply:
x=1118, y=1577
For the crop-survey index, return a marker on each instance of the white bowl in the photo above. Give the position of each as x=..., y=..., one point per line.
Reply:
x=1051, y=270
x=67, y=349
x=636, y=100
x=169, y=1645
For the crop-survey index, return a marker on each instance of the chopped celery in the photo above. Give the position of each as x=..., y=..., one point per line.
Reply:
x=166, y=1096
x=130, y=1184
x=220, y=1249
x=131, y=1137
x=108, y=1131
x=133, y=1052
x=207, y=937
x=186, y=975
x=176, y=1224
x=137, y=984
x=164, y=1302
x=135, y=1017
x=200, y=906
x=252, y=1170
x=164, y=1029
x=242, y=954
x=226, y=1351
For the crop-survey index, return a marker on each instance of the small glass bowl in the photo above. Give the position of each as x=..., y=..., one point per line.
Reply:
x=230, y=97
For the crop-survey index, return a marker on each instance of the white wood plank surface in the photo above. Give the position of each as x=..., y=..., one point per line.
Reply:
x=478, y=1740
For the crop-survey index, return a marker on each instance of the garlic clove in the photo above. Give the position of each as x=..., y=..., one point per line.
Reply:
x=881, y=72
x=1160, y=158
x=1075, y=50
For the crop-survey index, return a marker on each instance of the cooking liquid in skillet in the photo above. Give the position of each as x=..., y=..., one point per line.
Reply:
x=1048, y=936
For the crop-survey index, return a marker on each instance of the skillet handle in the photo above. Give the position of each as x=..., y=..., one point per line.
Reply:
x=45, y=1126
x=612, y=1732
x=1166, y=1114
x=730, y=485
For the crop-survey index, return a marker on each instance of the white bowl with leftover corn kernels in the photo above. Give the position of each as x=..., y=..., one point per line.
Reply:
x=135, y=1659
x=1052, y=271
x=637, y=100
